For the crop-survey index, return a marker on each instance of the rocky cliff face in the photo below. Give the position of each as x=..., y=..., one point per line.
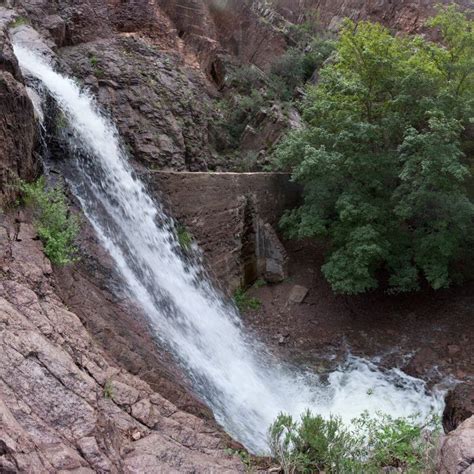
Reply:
x=17, y=122
x=157, y=66
x=406, y=16
x=64, y=407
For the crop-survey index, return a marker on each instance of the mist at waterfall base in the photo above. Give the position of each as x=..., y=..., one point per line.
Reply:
x=245, y=386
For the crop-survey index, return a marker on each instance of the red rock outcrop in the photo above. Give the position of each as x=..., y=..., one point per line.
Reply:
x=459, y=406
x=63, y=406
x=17, y=121
x=456, y=452
x=155, y=64
x=408, y=16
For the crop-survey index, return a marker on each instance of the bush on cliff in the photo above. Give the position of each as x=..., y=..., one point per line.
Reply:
x=369, y=445
x=56, y=227
x=253, y=90
x=382, y=157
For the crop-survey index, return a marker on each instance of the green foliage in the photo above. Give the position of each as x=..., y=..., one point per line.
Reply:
x=96, y=63
x=185, y=239
x=257, y=90
x=245, y=302
x=245, y=457
x=297, y=65
x=108, y=389
x=56, y=227
x=304, y=32
x=381, y=158
x=259, y=283
x=290, y=69
x=370, y=445
x=245, y=79
x=19, y=21
x=94, y=60
x=238, y=113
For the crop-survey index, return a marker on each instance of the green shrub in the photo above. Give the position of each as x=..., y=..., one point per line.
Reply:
x=245, y=457
x=289, y=67
x=259, y=283
x=238, y=112
x=19, y=21
x=381, y=158
x=246, y=78
x=245, y=302
x=311, y=26
x=108, y=389
x=371, y=445
x=56, y=227
x=318, y=51
x=185, y=239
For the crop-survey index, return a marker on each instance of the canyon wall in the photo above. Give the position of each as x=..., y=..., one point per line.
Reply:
x=158, y=66
x=64, y=406
x=17, y=122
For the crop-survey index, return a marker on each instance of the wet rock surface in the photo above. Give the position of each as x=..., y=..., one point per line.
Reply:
x=63, y=405
x=459, y=406
x=92, y=289
x=17, y=123
x=161, y=108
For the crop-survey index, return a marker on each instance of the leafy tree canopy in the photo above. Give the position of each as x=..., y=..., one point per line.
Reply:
x=384, y=157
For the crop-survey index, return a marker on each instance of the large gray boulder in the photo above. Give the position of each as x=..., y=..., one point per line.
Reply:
x=456, y=452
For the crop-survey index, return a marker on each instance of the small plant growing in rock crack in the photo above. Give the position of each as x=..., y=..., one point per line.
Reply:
x=61, y=122
x=245, y=302
x=57, y=228
x=95, y=63
x=185, y=239
x=108, y=390
x=244, y=457
x=19, y=21
x=259, y=283
x=94, y=60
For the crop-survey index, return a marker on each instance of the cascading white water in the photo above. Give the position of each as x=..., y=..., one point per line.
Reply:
x=245, y=387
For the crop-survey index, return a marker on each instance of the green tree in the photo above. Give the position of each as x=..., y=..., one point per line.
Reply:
x=381, y=157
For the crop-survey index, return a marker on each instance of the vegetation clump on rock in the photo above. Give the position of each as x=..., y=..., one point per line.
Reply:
x=56, y=226
x=384, y=157
x=373, y=444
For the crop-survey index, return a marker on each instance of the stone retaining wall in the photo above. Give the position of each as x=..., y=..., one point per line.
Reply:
x=232, y=217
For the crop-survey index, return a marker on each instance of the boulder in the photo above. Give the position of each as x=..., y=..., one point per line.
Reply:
x=271, y=255
x=456, y=451
x=459, y=406
x=298, y=294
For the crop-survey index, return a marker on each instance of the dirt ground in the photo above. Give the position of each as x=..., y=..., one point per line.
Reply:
x=429, y=334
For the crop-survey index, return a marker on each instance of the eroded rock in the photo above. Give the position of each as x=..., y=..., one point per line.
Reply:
x=17, y=121
x=459, y=406
x=63, y=406
x=456, y=453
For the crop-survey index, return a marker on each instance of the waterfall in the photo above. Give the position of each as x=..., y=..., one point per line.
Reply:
x=242, y=383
